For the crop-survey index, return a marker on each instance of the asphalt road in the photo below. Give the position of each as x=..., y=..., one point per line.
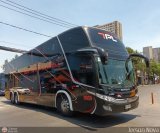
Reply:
x=26, y=115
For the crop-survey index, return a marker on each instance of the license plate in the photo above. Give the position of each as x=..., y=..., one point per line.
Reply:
x=128, y=106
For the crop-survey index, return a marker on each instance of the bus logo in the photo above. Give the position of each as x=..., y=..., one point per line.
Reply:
x=107, y=36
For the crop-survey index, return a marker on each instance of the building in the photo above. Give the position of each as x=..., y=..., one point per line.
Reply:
x=114, y=27
x=152, y=53
x=148, y=52
x=156, y=54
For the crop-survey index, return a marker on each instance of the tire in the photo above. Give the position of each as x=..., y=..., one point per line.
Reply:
x=63, y=105
x=16, y=101
x=12, y=98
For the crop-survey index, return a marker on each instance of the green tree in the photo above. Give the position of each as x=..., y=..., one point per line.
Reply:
x=5, y=64
x=130, y=50
x=15, y=57
x=138, y=63
x=154, y=68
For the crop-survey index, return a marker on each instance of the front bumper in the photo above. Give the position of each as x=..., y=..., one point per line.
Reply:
x=116, y=106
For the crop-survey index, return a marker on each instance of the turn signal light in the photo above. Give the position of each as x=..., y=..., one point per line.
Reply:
x=132, y=93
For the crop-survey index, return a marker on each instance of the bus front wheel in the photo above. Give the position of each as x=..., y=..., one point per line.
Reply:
x=63, y=105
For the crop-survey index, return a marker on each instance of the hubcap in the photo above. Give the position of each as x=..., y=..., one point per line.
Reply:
x=64, y=105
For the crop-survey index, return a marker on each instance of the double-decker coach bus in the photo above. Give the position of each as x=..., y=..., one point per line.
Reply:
x=83, y=69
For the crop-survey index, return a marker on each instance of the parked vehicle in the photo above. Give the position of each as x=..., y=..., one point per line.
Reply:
x=2, y=92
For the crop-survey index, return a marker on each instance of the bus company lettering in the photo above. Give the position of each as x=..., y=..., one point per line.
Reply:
x=107, y=36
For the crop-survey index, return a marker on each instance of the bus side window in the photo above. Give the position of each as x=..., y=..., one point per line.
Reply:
x=82, y=69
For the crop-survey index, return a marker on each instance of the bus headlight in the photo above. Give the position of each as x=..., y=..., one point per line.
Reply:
x=106, y=98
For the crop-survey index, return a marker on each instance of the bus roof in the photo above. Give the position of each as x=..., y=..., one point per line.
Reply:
x=71, y=40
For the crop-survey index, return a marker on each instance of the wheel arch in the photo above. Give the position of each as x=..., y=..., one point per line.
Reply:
x=67, y=95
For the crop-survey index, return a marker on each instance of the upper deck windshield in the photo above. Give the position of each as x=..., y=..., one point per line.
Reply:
x=109, y=42
x=114, y=73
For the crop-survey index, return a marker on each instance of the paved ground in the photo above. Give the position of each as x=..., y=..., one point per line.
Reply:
x=34, y=116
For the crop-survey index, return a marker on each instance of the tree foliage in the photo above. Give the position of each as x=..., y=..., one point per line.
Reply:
x=137, y=62
x=6, y=62
x=154, y=68
x=140, y=65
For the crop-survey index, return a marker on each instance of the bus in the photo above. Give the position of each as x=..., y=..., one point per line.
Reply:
x=84, y=69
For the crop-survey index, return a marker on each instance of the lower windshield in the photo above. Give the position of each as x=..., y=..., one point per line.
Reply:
x=114, y=73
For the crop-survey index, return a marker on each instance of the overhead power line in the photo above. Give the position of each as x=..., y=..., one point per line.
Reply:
x=20, y=28
x=35, y=14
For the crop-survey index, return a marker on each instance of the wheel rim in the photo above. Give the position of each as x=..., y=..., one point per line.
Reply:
x=65, y=105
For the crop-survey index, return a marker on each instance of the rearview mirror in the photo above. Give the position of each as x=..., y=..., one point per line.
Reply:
x=141, y=56
x=103, y=54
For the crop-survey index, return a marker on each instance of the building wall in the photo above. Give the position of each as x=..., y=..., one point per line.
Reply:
x=114, y=27
x=156, y=54
x=148, y=52
x=152, y=53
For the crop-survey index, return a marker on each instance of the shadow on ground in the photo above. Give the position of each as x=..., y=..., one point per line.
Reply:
x=90, y=122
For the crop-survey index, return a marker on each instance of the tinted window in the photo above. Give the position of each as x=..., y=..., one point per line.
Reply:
x=109, y=42
x=29, y=81
x=49, y=48
x=82, y=68
x=41, y=53
x=73, y=40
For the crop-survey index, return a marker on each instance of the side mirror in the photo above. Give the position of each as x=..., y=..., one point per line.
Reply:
x=103, y=54
x=140, y=56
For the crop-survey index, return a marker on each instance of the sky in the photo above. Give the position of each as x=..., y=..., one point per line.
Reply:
x=140, y=21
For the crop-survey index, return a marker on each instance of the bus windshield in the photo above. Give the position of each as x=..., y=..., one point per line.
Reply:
x=114, y=73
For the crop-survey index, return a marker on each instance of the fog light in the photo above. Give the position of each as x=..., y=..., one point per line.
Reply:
x=108, y=108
